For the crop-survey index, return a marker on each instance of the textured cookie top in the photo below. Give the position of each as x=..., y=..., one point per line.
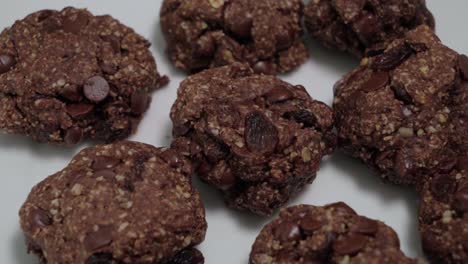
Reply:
x=404, y=111
x=443, y=215
x=209, y=33
x=68, y=75
x=255, y=137
x=357, y=26
x=122, y=203
x=334, y=233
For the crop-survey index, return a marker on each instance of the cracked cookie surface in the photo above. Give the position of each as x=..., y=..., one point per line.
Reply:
x=203, y=34
x=127, y=202
x=256, y=138
x=67, y=75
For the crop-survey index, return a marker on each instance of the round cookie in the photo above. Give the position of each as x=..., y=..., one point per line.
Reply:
x=67, y=75
x=203, y=34
x=333, y=233
x=126, y=202
x=443, y=215
x=404, y=111
x=258, y=139
x=360, y=26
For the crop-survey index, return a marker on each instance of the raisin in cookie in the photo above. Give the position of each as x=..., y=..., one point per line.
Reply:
x=258, y=139
x=404, y=111
x=357, y=26
x=204, y=34
x=126, y=202
x=67, y=75
x=333, y=233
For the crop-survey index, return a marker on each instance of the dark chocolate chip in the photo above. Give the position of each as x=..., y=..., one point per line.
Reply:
x=461, y=200
x=72, y=93
x=6, y=62
x=367, y=27
x=238, y=21
x=108, y=68
x=376, y=81
x=401, y=94
x=417, y=47
x=180, y=129
x=113, y=41
x=171, y=157
x=227, y=180
x=100, y=258
x=463, y=64
x=44, y=14
x=260, y=134
x=40, y=218
x=105, y=162
x=188, y=256
x=215, y=149
x=96, y=89
x=51, y=24
x=462, y=163
x=75, y=23
x=392, y=58
x=73, y=135
x=98, y=239
x=287, y=231
x=264, y=67
x=442, y=185
x=350, y=245
x=284, y=39
x=205, y=46
x=341, y=207
x=108, y=174
x=77, y=111
x=277, y=95
x=365, y=226
x=309, y=224
x=139, y=102
x=302, y=116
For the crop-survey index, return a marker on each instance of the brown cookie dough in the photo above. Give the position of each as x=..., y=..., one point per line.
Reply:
x=443, y=216
x=68, y=75
x=126, y=202
x=357, y=26
x=333, y=233
x=203, y=34
x=404, y=112
x=256, y=138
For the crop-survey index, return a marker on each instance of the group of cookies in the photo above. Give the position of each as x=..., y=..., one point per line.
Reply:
x=67, y=76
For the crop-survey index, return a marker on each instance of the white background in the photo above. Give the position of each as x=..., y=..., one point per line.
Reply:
x=24, y=163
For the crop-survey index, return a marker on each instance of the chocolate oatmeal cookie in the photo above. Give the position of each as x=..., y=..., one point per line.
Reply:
x=404, y=111
x=333, y=233
x=126, y=202
x=256, y=138
x=68, y=75
x=357, y=26
x=203, y=34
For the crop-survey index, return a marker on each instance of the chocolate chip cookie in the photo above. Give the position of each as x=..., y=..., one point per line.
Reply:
x=256, y=138
x=126, y=202
x=404, y=111
x=443, y=216
x=67, y=75
x=357, y=26
x=203, y=34
x=333, y=233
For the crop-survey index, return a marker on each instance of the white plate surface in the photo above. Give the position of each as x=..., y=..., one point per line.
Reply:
x=24, y=163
